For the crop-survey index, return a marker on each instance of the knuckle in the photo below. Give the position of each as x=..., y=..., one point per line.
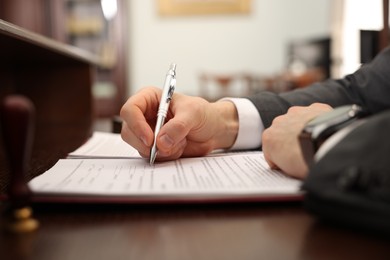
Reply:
x=266, y=136
x=295, y=109
x=277, y=120
x=180, y=126
x=123, y=112
x=320, y=105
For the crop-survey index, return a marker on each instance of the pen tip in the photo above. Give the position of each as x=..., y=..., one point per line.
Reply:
x=173, y=66
x=152, y=160
x=153, y=154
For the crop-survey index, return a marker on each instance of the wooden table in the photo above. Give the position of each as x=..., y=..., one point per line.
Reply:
x=252, y=231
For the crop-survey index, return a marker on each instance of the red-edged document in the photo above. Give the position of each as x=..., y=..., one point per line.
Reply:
x=219, y=177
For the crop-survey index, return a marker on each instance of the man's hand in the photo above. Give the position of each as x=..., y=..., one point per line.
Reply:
x=193, y=127
x=280, y=141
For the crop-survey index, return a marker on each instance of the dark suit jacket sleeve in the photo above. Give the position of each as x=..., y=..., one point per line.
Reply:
x=354, y=190
x=368, y=87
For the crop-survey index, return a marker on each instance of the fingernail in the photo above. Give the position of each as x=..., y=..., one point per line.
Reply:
x=143, y=139
x=166, y=141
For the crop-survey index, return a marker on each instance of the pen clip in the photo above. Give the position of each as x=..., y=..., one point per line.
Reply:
x=171, y=89
x=172, y=70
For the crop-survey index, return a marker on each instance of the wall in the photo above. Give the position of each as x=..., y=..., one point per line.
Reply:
x=253, y=43
x=351, y=17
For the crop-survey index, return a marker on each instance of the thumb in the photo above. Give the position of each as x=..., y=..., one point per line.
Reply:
x=174, y=131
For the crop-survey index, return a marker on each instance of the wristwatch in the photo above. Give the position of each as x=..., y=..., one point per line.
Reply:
x=317, y=130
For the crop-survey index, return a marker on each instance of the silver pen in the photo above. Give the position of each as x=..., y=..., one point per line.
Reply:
x=166, y=96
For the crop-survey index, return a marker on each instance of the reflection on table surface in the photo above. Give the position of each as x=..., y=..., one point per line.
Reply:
x=235, y=231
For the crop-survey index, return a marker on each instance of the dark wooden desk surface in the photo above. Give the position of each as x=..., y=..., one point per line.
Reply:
x=236, y=231
x=257, y=231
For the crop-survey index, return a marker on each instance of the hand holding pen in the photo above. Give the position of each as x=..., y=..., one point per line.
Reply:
x=166, y=96
x=193, y=126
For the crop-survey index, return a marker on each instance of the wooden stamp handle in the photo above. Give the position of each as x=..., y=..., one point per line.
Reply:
x=17, y=117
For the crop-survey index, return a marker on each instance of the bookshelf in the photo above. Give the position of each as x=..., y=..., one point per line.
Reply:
x=82, y=23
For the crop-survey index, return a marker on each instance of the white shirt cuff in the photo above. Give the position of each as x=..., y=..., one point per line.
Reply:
x=250, y=125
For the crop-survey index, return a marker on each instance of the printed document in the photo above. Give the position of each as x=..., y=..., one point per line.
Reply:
x=231, y=175
x=107, y=167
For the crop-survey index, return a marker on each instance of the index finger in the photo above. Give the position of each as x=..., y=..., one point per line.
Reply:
x=139, y=114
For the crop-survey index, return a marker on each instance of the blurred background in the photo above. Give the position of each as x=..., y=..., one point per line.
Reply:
x=221, y=47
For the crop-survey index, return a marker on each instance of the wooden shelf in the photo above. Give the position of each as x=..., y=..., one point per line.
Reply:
x=51, y=19
x=57, y=78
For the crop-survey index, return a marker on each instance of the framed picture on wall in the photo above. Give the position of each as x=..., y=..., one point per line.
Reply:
x=203, y=7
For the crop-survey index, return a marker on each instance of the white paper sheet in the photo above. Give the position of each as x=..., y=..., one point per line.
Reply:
x=105, y=145
x=230, y=175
